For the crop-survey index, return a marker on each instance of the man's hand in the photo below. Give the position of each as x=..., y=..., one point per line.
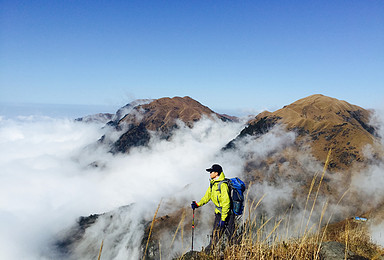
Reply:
x=221, y=224
x=194, y=205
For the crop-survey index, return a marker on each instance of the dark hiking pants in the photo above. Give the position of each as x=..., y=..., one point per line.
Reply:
x=228, y=230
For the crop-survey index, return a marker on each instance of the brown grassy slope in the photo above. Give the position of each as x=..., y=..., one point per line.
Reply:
x=325, y=123
x=161, y=114
x=356, y=236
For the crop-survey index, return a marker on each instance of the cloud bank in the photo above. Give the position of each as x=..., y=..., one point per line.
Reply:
x=49, y=179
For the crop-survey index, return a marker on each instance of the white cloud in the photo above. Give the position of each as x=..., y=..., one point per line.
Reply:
x=46, y=181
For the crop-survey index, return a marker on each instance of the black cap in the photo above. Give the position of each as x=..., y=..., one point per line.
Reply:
x=215, y=168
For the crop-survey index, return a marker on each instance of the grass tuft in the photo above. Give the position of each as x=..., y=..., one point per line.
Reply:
x=261, y=239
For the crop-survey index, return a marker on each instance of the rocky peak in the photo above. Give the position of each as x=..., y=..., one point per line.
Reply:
x=96, y=118
x=159, y=115
x=127, y=109
x=163, y=113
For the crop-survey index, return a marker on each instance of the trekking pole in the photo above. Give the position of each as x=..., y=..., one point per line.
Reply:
x=193, y=226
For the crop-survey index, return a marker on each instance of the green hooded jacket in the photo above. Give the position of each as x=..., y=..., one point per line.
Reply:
x=220, y=199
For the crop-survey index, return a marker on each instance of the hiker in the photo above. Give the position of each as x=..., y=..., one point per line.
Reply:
x=224, y=217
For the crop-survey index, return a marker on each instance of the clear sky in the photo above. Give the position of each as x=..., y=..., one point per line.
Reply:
x=229, y=55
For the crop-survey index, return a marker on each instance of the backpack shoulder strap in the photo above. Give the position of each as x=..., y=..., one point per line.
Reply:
x=223, y=181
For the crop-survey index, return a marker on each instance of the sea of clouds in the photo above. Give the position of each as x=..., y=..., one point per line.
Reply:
x=48, y=180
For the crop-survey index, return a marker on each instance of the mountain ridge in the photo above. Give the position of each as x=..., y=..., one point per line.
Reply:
x=326, y=123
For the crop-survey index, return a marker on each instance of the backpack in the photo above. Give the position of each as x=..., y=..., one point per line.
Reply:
x=236, y=194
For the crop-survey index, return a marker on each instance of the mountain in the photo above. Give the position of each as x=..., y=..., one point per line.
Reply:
x=96, y=118
x=137, y=120
x=295, y=141
x=323, y=123
x=319, y=123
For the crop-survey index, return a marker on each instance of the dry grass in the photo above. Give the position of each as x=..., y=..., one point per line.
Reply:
x=150, y=230
x=356, y=240
x=269, y=239
x=101, y=249
x=355, y=236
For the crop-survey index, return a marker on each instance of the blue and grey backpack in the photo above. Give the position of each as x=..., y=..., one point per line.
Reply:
x=236, y=193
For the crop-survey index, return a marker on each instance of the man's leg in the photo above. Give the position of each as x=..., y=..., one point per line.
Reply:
x=215, y=232
x=230, y=228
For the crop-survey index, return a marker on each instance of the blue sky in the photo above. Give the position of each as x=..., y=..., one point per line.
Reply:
x=229, y=55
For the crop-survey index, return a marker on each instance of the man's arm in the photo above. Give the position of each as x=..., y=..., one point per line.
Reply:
x=207, y=197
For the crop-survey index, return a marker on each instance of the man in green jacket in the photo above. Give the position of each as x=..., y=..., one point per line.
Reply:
x=218, y=193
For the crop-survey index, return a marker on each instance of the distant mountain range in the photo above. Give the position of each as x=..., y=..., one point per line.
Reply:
x=319, y=121
x=319, y=124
